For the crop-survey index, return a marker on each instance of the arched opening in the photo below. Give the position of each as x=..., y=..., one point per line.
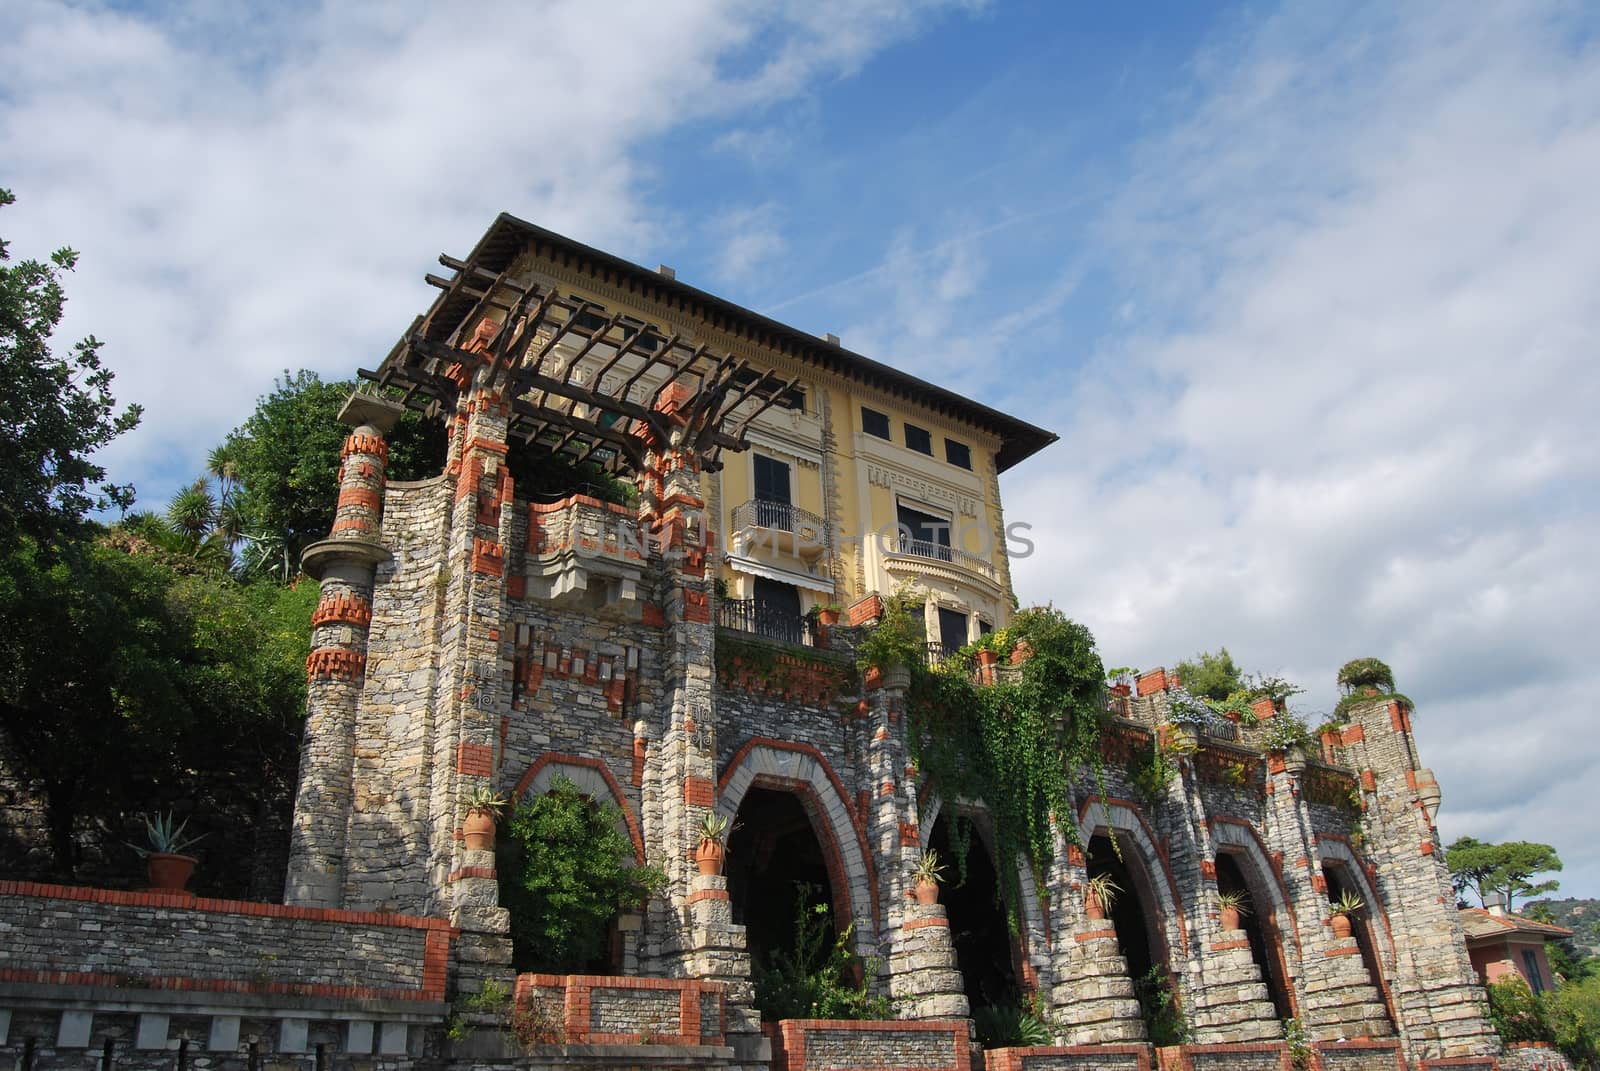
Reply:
x=775, y=858
x=1264, y=946
x=1139, y=936
x=985, y=948
x=1339, y=882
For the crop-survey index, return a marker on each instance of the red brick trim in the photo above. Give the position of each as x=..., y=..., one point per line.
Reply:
x=789, y=1038
x=344, y=609
x=699, y=792
x=1228, y=946
x=364, y=497
x=577, y=990
x=123, y=898
x=1160, y=860
x=372, y=445
x=472, y=872
x=1341, y=952
x=1353, y=735
x=1016, y=1059
x=559, y=758
x=335, y=662
x=475, y=760
x=582, y=500
x=1093, y=935
x=922, y=924
x=1320, y=1047
x=707, y=894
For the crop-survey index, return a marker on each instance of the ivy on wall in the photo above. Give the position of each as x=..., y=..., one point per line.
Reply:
x=1016, y=744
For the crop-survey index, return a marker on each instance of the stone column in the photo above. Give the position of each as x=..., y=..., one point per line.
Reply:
x=1093, y=994
x=1442, y=1009
x=343, y=564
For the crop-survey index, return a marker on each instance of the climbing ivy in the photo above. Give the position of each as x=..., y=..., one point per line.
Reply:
x=1016, y=744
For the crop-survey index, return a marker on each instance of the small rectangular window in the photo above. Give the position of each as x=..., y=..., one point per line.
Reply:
x=874, y=422
x=919, y=440
x=958, y=454
x=1530, y=965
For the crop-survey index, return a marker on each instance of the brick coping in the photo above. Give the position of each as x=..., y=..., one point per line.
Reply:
x=189, y=902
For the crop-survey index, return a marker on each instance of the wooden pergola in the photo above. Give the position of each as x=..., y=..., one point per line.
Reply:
x=588, y=384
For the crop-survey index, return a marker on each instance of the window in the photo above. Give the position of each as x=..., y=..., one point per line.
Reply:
x=958, y=454
x=923, y=534
x=952, y=630
x=772, y=494
x=919, y=440
x=874, y=422
x=1530, y=964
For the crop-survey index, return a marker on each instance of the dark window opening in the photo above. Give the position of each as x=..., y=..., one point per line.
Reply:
x=1137, y=931
x=958, y=454
x=793, y=398
x=1360, y=924
x=874, y=422
x=952, y=630
x=1530, y=963
x=774, y=858
x=923, y=534
x=984, y=627
x=919, y=440
x=985, y=950
x=777, y=611
x=772, y=494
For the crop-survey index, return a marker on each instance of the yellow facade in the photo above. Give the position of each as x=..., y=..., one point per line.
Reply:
x=866, y=482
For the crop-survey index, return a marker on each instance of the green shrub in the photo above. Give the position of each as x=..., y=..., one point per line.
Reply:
x=1517, y=1014
x=818, y=977
x=565, y=870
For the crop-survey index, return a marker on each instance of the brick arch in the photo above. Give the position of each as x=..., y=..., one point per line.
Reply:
x=1338, y=851
x=1240, y=839
x=592, y=777
x=1123, y=820
x=1035, y=933
x=801, y=769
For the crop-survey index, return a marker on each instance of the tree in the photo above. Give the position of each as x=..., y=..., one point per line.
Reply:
x=54, y=412
x=1211, y=676
x=1506, y=868
x=565, y=870
x=285, y=459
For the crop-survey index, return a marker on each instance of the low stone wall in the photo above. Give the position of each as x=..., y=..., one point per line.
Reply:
x=838, y=1045
x=1529, y=1056
x=1231, y=1056
x=1069, y=1058
x=69, y=936
x=603, y=1010
x=1360, y=1056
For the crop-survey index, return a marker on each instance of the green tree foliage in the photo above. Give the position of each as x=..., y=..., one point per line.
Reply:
x=1211, y=676
x=127, y=686
x=285, y=458
x=1516, y=1012
x=1015, y=744
x=1573, y=1012
x=54, y=412
x=1506, y=868
x=820, y=977
x=565, y=869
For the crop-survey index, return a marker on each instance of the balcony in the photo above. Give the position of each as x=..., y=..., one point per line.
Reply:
x=941, y=552
x=760, y=619
x=779, y=528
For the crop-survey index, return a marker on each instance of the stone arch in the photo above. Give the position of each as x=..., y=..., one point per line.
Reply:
x=1123, y=820
x=593, y=778
x=1035, y=923
x=1338, y=851
x=801, y=769
x=1240, y=839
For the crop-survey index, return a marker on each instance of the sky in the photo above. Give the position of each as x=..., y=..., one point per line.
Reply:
x=1310, y=292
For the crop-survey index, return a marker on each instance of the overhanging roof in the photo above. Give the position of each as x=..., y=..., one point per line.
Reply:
x=508, y=236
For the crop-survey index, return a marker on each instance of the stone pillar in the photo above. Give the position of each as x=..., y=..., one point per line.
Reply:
x=1336, y=996
x=343, y=564
x=924, y=979
x=1093, y=995
x=1442, y=1010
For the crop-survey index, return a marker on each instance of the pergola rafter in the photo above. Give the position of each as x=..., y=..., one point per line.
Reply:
x=551, y=357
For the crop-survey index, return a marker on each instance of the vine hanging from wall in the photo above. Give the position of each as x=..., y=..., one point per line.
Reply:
x=1016, y=744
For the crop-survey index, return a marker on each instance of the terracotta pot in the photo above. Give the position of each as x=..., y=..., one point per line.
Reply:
x=926, y=892
x=1264, y=708
x=1230, y=918
x=874, y=677
x=708, y=857
x=169, y=873
x=1341, y=926
x=478, y=829
x=1122, y=691
x=1092, y=905
x=988, y=658
x=828, y=617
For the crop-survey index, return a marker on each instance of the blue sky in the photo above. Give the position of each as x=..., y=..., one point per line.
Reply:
x=1308, y=290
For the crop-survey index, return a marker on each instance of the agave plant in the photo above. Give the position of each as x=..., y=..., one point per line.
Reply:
x=166, y=838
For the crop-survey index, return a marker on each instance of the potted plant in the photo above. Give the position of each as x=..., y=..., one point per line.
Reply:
x=1231, y=904
x=166, y=864
x=1347, y=904
x=828, y=615
x=1120, y=681
x=483, y=807
x=927, y=876
x=1100, y=895
x=708, y=857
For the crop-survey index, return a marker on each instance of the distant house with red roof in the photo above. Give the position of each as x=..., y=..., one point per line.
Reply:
x=1503, y=944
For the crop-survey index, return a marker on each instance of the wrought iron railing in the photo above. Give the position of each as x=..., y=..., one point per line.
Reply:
x=748, y=615
x=779, y=516
x=927, y=548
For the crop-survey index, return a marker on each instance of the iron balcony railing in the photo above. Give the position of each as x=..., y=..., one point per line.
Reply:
x=778, y=516
x=748, y=615
x=927, y=548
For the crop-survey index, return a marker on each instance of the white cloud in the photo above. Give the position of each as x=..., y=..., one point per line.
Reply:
x=1354, y=414
x=252, y=196
x=749, y=237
